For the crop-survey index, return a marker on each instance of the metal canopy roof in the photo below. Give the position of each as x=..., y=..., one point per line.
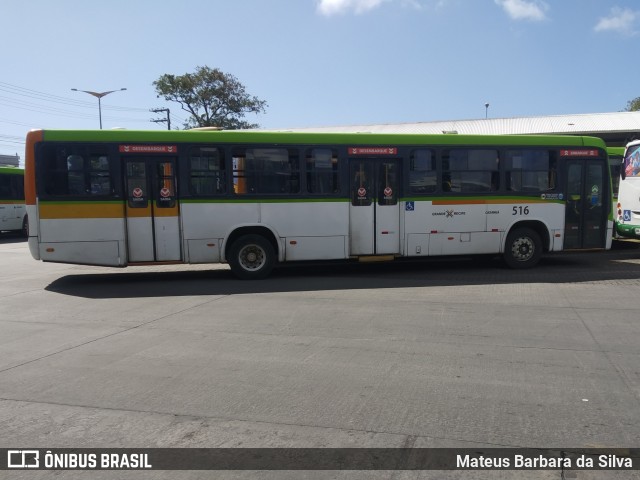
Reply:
x=616, y=129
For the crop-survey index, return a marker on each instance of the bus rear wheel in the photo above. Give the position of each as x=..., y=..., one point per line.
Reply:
x=251, y=257
x=523, y=248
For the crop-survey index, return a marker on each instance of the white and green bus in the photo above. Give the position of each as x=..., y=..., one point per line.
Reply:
x=616, y=159
x=13, y=211
x=258, y=199
x=628, y=206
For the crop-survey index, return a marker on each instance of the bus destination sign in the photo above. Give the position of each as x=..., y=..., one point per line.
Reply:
x=372, y=151
x=148, y=148
x=579, y=153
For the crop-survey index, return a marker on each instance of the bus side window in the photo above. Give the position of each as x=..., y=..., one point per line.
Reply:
x=531, y=170
x=5, y=187
x=470, y=170
x=207, y=171
x=422, y=172
x=266, y=171
x=75, y=170
x=322, y=171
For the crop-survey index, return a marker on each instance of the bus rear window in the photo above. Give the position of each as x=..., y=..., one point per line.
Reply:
x=632, y=162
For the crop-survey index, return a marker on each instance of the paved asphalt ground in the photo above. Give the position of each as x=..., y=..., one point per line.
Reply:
x=444, y=353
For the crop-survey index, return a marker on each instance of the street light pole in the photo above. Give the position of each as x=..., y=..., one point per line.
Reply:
x=99, y=96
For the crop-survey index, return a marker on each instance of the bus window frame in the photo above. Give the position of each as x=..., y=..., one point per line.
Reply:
x=42, y=160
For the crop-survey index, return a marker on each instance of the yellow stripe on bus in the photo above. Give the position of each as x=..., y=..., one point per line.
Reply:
x=139, y=212
x=166, y=212
x=488, y=201
x=157, y=212
x=100, y=210
x=81, y=210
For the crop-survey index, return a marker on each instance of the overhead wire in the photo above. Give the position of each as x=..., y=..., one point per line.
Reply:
x=26, y=92
x=32, y=101
x=37, y=97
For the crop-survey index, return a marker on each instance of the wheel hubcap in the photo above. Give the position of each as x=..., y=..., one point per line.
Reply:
x=522, y=249
x=252, y=257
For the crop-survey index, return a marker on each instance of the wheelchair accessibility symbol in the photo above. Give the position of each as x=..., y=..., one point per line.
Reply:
x=626, y=216
x=409, y=207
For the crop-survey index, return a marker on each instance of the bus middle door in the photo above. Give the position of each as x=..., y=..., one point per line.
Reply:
x=153, y=219
x=374, y=213
x=588, y=204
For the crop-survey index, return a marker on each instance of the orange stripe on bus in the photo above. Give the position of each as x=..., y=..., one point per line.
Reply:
x=33, y=137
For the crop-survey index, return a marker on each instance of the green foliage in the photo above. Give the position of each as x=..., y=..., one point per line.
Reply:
x=633, y=105
x=212, y=98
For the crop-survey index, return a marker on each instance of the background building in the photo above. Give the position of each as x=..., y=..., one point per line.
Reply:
x=616, y=129
x=11, y=160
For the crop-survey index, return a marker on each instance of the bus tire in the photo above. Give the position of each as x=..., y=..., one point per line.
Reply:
x=251, y=257
x=523, y=248
x=25, y=227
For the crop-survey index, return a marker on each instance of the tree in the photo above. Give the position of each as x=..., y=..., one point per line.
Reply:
x=212, y=97
x=633, y=105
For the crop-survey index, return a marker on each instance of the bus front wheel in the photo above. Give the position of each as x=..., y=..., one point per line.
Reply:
x=523, y=248
x=251, y=257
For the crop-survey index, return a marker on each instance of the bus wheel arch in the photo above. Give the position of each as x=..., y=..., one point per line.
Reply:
x=25, y=227
x=525, y=243
x=252, y=252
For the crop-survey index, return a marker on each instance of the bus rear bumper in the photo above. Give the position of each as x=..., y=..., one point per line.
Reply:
x=628, y=231
x=33, y=247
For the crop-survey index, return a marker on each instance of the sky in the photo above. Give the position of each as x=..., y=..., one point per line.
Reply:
x=316, y=62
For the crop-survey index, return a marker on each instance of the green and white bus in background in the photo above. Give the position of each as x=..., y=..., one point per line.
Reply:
x=616, y=159
x=628, y=206
x=258, y=199
x=13, y=212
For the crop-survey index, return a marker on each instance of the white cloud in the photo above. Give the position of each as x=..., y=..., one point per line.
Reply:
x=619, y=20
x=339, y=7
x=335, y=7
x=524, y=9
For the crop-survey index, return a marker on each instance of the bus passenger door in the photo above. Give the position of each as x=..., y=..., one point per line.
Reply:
x=374, y=213
x=587, y=206
x=153, y=221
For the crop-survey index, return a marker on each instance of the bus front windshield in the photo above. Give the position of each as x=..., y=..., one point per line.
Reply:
x=632, y=161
